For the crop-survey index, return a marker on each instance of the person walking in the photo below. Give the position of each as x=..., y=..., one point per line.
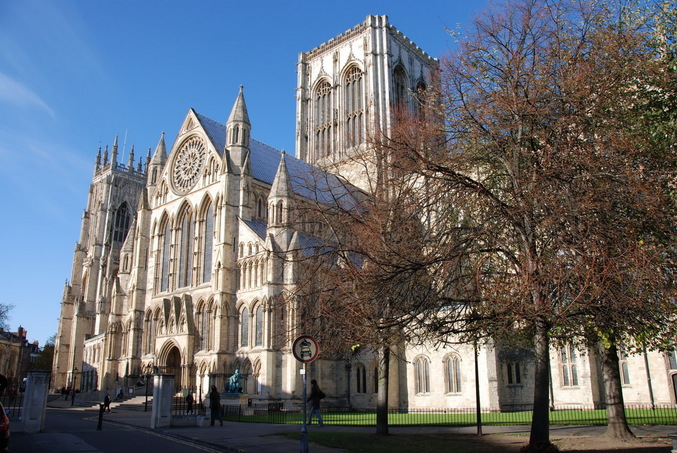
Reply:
x=189, y=403
x=106, y=402
x=215, y=405
x=316, y=394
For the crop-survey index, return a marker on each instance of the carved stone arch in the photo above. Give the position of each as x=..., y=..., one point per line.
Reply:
x=350, y=64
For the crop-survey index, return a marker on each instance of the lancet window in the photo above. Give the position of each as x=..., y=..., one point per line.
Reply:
x=354, y=107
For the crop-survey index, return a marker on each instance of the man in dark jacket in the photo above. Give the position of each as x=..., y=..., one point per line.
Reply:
x=316, y=394
x=215, y=405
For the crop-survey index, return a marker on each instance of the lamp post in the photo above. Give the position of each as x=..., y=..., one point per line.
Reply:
x=75, y=371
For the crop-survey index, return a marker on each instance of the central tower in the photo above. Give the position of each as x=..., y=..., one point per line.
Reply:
x=347, y=92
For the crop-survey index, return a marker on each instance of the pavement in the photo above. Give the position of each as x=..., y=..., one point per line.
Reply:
x=240, y=437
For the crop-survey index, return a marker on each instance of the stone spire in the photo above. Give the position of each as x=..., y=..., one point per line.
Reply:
x=238, y=130
x=158, y=161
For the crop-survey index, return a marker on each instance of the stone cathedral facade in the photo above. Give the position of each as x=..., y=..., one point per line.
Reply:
x=180, y=268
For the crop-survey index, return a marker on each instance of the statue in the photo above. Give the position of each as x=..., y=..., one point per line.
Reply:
x=234, y=382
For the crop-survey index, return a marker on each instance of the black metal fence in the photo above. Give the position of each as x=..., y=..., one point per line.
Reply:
x=13, y=403
x=286, y=413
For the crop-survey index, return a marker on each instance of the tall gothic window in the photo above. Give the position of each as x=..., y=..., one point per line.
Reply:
x=244, y=328
x=166, y=247
x=569, y=368
x=453, y=374
x=323, y=120
x=400, y=87
x=354, y=107
x=259, y=326
x=623, y=365
x=121, y=223
x=422, y=378
x=208, y=244
x=361, y=378
x=186, y=249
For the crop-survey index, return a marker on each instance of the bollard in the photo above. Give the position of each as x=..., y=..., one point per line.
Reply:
x=101, y=409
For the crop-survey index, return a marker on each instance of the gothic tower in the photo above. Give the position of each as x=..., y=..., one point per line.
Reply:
x=348, y=90
x=87, y=298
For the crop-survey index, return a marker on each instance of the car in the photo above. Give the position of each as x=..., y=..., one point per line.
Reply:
x=4, y=429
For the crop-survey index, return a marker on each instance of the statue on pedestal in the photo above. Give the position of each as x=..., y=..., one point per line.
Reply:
x=234, y=383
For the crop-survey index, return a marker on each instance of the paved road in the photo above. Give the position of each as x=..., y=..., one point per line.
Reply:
x=68, y=431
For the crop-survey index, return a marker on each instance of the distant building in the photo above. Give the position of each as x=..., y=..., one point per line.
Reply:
x=180, y=265
x=16, y=354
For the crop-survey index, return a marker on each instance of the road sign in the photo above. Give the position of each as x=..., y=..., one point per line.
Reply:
x=305, y=349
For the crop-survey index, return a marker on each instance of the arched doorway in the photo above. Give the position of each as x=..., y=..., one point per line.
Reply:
x=174, y=365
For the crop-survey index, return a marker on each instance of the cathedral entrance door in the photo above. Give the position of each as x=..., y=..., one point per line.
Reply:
x=174, y=366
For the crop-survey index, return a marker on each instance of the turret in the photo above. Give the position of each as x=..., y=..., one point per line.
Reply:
x=238, y=131
x=157, y=163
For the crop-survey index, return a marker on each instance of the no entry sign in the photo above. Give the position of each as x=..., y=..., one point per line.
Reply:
x=305, y=349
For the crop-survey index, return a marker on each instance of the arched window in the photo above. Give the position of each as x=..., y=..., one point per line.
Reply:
x=422, y=378
x=259, y=326
x=514, y=373
x=569, y=368
x=625, y=369
x=399, y=87
x=121, y=224
x=453, y=374
x=361, y=378
x=202, y=326
x=244, y=328
x=186, y=249
x=354, y=107
x=323, y=120
x=208, y=244
x=166, y=247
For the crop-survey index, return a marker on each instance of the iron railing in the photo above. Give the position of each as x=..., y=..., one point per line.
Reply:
x=286, y=413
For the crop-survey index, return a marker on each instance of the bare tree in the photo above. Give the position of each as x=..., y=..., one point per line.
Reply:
x=541, y=158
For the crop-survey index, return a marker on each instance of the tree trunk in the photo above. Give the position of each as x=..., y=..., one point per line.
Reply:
x=539, y=439
x=617, y=424
x=382, y=397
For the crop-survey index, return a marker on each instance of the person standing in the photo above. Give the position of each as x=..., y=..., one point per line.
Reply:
x=215, y=405
x=316, y=394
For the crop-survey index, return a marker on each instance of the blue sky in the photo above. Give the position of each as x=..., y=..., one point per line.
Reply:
x=76, y=73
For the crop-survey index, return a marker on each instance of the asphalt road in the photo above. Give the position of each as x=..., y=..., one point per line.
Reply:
x=75, y=432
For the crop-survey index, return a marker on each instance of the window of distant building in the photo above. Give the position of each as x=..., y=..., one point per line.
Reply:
x=361, y=378
x=324, y=129
x=623, y=366
x=258, y=333
x=208, y=241
x=399, y=87
x=121, y=224
x=354, y=107
x=568, y=358
x=452, y=375
x=244, y=328
x=186, y=248
x=514, y=373
x=422, y=374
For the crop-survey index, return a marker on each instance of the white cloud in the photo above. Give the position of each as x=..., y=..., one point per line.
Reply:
x=16, y=94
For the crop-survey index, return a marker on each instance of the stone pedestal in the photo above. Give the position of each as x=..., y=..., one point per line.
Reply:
x=35, y=402
x=163, y=390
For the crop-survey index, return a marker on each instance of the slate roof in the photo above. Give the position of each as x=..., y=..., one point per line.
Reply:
x=307, y=180
x=258, y=226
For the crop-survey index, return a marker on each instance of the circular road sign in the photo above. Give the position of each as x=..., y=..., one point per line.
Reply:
x=305, y=349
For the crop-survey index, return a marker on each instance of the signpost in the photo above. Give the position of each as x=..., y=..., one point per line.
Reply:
x=305, y=350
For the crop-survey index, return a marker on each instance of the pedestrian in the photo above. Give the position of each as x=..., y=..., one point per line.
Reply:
x=215, y=405
x=189, y=403
x=106, y=402
x=316, y=394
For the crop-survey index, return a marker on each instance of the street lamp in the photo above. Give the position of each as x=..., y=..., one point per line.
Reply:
x=75, y=371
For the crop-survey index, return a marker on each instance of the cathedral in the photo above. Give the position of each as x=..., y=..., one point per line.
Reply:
x=179, y=267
